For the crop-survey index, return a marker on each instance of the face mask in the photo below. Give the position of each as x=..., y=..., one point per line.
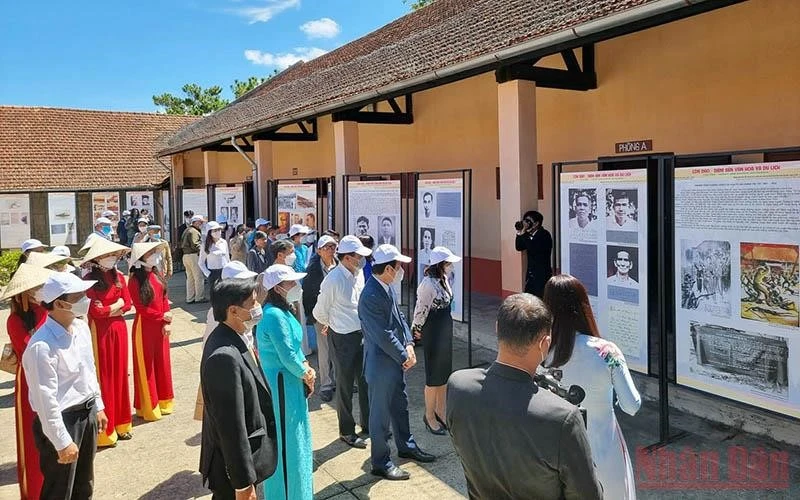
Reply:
x=156, y=236
x=107, y=262
x=295, y=294
x=398, y=276
x=291, y=259
x=153, y=260
x=80, y=308
x=188, y=221
x=448, y=269
x=255, y=316
x=362, y=261
x=106, y=230
x=310, y=239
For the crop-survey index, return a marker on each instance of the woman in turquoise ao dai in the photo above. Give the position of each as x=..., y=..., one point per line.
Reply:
x=280, y=352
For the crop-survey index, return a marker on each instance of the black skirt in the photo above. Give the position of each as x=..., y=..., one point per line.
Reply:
x=437, y=334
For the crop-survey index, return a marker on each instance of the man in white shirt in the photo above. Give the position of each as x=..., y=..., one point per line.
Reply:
x=63, y=390
x=102, y=229
x=337, y=311
x=624, y=265
x=620, y=220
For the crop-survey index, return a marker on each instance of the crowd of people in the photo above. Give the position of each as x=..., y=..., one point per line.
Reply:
x=275, y=299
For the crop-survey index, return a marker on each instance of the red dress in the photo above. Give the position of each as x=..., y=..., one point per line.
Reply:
x=152, y=371
x=28, y=472
x=110, y=342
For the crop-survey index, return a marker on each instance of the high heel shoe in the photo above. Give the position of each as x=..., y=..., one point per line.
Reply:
x=441, y=422
x=438, y=432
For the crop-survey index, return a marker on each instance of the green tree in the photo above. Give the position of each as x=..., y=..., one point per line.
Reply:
x=418, y=4
x=196, y=100
x=240, y=88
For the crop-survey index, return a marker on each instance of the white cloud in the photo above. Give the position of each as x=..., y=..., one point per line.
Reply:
x=283, y=61
x=264, y=13
x=321, y=28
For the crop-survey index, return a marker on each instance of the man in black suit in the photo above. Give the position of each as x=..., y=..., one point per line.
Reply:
x=537, y=242
x=239, y=446
x=515, y=439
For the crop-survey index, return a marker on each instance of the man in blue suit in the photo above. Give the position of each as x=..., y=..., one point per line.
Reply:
x=388, y=353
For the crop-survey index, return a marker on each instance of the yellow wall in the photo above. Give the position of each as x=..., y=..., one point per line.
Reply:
x=311, y=159
x=231, y=168
x=193, y=163
x=724, y=80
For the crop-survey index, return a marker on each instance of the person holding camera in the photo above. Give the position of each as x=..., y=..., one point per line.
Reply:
x=537, y=242
x=514, y=438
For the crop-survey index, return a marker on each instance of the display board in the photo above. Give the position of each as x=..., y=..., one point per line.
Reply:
x=165, y=215
x=195, y=200
x=604, y=244
x=14, y=220
x=106, y=200
x=61, y=215
x=297, y=204
x=373, y=208
x=440, y=222
x=141, y=200
x=229, y=203
x=737, y=291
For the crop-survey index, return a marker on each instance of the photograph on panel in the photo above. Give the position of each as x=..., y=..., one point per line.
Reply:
x=622, y=212
x=753, y=361
x=583, y=223
x=770, y=281
x=706, y=276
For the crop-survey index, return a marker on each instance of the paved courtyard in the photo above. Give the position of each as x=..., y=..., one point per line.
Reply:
x=161, y=461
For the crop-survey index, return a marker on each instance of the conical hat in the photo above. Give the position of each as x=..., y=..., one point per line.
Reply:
x=140, y=249
x=27, y=277
x=41, y=259
x=101, y=247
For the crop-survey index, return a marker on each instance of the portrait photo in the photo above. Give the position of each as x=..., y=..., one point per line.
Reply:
x=622, y=212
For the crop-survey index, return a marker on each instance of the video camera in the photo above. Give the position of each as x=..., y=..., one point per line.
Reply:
x=550, y=379
x=525, y=224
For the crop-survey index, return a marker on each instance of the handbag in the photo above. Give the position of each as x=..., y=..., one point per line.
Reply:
x=9, y=361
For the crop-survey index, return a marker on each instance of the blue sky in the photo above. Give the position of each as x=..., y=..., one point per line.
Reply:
x=115, y=54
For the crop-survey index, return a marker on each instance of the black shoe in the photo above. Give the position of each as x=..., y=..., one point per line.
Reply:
x=125, y=436
x=438, y=432
x=441, y=422
x=354, y=441
x=417, y=455
x=393, y=473
x=326, y=396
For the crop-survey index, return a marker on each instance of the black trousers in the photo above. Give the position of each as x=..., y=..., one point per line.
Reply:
x=535, y=280
x=73, y=481
x=348, y=361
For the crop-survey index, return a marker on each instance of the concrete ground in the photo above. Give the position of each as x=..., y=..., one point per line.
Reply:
x=161, y=461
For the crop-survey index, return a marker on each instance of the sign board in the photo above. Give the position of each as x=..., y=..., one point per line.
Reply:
x=737, y=289
x=604, y=244
x=634, y=146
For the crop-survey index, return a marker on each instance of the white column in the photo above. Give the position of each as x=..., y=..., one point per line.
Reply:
x=264, y=172
x=516, y=104
x=346, y=148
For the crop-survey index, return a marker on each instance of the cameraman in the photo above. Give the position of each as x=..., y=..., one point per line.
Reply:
x=536, y=240
x=514, y=439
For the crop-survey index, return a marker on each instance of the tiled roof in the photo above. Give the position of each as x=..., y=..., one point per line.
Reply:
x=439, y=36
x=48, y=149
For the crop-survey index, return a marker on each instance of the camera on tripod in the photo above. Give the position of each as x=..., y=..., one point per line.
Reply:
x=550, y=379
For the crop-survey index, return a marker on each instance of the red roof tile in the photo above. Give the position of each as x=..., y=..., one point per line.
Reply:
x=430, y=39
x=54, y=149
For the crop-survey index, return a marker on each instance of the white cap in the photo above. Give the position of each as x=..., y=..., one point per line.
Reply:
x=262, y=222
x=443, y=254
x=153, y=226
x=350, y=244
x=236, y=270
x=108, y=213
x=298, y=229
x=59, y=284
x=278, y=273
x=388, y=253
x=61, y=250
x=126, y=213
x=143, y=219
x=102, y=220
x=31, y=244
x=212, y=225
x=326, y=239
x=197, y=218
